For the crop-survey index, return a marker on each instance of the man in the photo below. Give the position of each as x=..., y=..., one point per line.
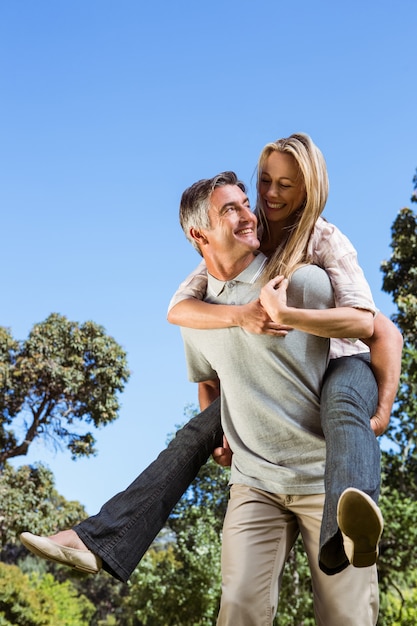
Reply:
x=269, y=389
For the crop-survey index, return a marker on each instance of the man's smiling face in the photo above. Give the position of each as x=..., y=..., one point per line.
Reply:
x=233, y=225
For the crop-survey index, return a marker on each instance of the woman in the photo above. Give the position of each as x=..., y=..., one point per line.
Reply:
x=292, y=192
x=118, y=536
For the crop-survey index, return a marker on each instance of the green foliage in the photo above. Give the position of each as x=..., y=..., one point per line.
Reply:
x=398, y=548
x=295, y=605
x=71, y=609
x=400, y=273
x=105, y=593
x=398, y=552
x=414, y=194
x=65, y=375
x=400, y=280
x=29, y=500
x=399, y=606
x=40, y=601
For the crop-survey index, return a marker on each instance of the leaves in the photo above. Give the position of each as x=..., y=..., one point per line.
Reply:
x=399, y=484
x=400, y=273
x=64, y=376
x=400, y=280
x=29, y=501
x=30, y=600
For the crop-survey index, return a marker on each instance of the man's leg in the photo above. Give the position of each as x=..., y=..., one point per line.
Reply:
x=348, y=401
x=258, y=535
x=350, y=597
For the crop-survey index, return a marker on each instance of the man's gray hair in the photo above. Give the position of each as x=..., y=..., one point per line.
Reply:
x=195, y=202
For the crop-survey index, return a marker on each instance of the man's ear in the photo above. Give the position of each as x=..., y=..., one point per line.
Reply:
x=198, y=236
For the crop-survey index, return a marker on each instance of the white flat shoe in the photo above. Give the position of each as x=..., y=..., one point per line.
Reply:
x=360, y=519
x=81, y=560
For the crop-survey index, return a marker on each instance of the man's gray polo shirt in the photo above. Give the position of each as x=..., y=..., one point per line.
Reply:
x=270, y=386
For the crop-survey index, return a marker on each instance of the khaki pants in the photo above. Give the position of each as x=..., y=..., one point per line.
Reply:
x=259, y=531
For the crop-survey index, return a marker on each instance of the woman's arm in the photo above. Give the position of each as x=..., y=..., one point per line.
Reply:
x=335, y=322
x=188, y=309
x=330, y=250
x=193, y=313
x=386, y=346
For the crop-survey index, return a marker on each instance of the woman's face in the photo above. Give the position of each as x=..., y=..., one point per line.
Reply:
x=281, y=187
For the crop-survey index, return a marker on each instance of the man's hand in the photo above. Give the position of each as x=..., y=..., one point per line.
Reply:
x=254, y=319
x=223, y=456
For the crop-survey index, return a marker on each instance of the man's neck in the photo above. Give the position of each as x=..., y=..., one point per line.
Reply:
x=225, y=268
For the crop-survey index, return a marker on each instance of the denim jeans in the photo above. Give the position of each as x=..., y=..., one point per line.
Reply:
x=127, y=524
x=348, y=400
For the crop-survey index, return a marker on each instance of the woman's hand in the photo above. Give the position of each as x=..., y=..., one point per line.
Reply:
x=254, y=319
x=273, y=298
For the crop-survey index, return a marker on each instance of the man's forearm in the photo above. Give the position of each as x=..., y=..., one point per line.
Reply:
x=208, y=391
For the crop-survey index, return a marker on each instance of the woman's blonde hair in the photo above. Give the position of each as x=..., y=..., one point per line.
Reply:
x=292, y=253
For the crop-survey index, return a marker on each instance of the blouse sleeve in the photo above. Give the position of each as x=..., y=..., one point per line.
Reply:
x=194, y=286
x=333, y=251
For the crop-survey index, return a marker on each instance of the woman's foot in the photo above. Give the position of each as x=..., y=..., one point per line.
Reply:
x=66, y=548
x=360, y=519
x=69, y=539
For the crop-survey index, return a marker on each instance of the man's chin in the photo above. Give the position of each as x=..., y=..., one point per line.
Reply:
x=252, y=244
x=255, y=245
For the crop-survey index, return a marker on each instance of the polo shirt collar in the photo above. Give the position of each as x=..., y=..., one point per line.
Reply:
x=249, y=275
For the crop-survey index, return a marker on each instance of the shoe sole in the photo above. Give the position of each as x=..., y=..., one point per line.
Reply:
x=360, y=519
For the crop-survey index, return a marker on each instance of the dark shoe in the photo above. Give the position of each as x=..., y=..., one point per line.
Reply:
x=360, y=519
x=81, y=560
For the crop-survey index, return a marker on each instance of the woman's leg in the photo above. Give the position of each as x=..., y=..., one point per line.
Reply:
x=128, y=523
x=348, y=401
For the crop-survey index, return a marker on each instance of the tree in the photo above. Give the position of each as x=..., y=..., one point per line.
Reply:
x=399, y=606
x=399, y=486
x=63, y=377
x=414, y=194
x=30, y=600
x=400, y=280
x=29, y=500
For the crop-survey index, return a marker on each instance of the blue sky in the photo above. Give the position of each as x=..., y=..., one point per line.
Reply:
x=110, y=109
